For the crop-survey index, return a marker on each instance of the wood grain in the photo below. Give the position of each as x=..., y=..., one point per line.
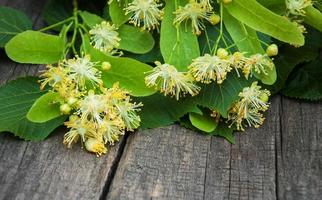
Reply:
x=163, y=163
x=300, y=151
x=175, y=163
x=245, y=170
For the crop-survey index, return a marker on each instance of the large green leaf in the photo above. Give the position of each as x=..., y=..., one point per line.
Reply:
x=203, y=122
x=45, y=108
x=16, y=98
x=135, y=40
x=128, y=72
x=247, y=41
x=159, y=110
x=305, y=83
x=313, y=17
x=35, y=47
x=12, y=22
x=178, y=45
x=262, y=19
x=221, y=97
x=289, y=57
x=117, y=13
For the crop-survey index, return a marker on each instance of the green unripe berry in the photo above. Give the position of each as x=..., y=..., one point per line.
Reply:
x=272, y=50
x=222, y=53
x=65, y=109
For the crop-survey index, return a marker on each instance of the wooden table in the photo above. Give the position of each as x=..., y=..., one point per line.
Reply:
x=281, y=160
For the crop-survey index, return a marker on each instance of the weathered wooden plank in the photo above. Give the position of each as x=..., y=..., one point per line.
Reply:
x=175, y=163
x=47, y=170
x=163, y=163
x=245, y=170
x=300, y=151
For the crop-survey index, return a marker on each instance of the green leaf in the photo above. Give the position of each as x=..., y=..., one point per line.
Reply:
x=261, y=19
x=45, y=108
x=12, y=22
x=117, y=13
x=159, y=110
x=305, y=83
x=221, y=97
x=16, y=98
x=35, y=47
x=203, y=122
x=289, y=57
x=90, y=19
x=135, y=40
x=128, y=72
x=313, y=17
x=224, y=131
x=178, y=45
x=247, y=40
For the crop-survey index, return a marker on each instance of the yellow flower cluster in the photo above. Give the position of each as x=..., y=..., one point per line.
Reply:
x=247, y=111
x=196, y=12
x=208, y=68
x=295, y=11
x=98, y=115
x=169, y=81
x=145, y=13
x=205, y=69
x=105, y=37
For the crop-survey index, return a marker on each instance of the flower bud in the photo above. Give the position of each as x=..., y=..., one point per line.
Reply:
x=214, y=19
x=65, y=109
x=264, y=97
x=227, y=1
x=106, y=66
x=95, y=146
x=222, y=53
x=71, y=101
x=272, y=50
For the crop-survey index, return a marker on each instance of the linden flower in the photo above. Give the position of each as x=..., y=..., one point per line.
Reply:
x=53, y=76
x=170, y=81
x=92, y=106
x=127, y=111
x=78, y=129
x=209, y=68
x=259, y=63
x=145, y=12
x=253, y=101
x=255, y=97
x=196, y=12
x=95, y=146
x=111, y=129
x=82, y=70
x=296, y=7
x=105, y=37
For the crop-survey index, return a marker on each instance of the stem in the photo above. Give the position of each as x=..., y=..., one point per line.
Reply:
x=221, y=29
x=75, y=17
x=207, y=38
x=56, y=24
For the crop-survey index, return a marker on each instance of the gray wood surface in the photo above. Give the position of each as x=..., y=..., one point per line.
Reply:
x=281, y=160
